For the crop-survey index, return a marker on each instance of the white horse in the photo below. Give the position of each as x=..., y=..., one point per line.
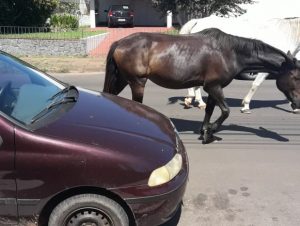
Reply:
x=283, y=34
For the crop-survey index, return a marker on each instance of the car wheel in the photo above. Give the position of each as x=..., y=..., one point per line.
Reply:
x=248, y=76
x=88, y=209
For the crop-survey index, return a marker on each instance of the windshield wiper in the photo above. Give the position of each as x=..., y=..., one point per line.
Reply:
x=65, y=90
x=64, y=100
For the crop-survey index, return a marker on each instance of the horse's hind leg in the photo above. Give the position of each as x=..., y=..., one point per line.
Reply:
x=194, y=92
x=256, y=83
x=205, y=130
x=189, y=98
x=137, y=90
x=198, y=98
x=119, y=85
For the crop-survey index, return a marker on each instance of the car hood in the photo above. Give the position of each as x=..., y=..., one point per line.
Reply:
x=94, y=113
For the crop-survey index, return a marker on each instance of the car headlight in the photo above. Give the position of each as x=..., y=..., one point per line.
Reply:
x=167, y=172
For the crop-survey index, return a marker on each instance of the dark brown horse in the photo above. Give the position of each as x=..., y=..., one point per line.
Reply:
x=210, y=58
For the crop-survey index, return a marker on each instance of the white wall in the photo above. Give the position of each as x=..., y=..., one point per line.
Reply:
x=273, y=9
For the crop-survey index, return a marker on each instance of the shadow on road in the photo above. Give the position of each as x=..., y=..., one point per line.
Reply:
x=235, y=102
x=183, y=125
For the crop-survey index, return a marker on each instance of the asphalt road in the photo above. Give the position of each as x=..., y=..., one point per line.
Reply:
x=250, y=177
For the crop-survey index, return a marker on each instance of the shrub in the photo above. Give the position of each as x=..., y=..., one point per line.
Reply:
x=26, y=12
x=64, y=22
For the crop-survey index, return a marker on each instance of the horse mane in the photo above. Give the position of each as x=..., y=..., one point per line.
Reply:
x=284, y=34
x=294, y=30
x=246, y=45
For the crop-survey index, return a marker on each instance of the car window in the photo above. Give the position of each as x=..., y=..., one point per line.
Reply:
x=24, y=91
x=11, y=74
x=120, y=7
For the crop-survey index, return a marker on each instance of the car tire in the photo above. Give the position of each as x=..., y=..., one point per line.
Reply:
x=88, y=209
x=248, y=76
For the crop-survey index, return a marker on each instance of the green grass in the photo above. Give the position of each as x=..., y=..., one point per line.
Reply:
x=69, y=35
x=172, y=32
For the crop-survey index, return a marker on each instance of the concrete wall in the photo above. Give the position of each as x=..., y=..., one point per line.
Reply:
x=34, y=47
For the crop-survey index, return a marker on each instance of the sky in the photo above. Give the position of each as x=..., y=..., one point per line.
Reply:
x=273, y=9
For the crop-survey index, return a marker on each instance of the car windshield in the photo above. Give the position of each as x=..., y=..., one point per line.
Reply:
x=25, y=92
x=120, y=7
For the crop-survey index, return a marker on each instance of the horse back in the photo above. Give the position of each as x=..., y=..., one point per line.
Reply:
x=137, y=52
x=171, y=61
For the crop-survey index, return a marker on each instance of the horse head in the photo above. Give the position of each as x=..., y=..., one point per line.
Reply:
x=288, y=82
x=291, y=62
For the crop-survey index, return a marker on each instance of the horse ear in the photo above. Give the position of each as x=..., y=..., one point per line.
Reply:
x=289, y=54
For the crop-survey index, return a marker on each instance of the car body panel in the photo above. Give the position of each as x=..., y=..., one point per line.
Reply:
x=8, y=193
x=151, y=133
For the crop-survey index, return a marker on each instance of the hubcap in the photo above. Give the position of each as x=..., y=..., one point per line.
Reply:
x=88, y=217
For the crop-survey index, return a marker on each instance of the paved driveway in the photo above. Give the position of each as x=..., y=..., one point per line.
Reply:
x=115, y=34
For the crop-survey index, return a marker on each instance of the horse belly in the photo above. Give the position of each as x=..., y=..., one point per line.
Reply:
x=168, y=77
x=177, y=73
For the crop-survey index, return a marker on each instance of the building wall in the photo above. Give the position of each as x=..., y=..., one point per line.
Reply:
x=272, y=9
x=144, y=13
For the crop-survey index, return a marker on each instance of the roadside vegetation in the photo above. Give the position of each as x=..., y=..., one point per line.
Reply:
x=64, y=64
x=70, y=34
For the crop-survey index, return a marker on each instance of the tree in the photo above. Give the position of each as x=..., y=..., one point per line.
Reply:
x=26, y=12
x=201, y=8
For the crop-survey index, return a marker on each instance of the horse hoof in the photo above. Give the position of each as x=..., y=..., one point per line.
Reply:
x=202, y=107
x=212, y=139
x=206, y=137
x=296, y=111
x=245, y=111
x=187, y=106
x=187, y=103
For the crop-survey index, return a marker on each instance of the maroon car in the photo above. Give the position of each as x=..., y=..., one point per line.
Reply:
x=120, y=15
x=70, y=156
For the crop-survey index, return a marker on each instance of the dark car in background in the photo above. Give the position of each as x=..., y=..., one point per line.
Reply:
x=120, y=15
x=70, y=156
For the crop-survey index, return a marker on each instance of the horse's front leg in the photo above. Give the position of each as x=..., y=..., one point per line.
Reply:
x=216, y=96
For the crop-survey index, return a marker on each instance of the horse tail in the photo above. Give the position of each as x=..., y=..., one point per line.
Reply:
x=187, y=27
x=111, y=71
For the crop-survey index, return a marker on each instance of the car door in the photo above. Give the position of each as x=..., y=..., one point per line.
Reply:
x=8, y=203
